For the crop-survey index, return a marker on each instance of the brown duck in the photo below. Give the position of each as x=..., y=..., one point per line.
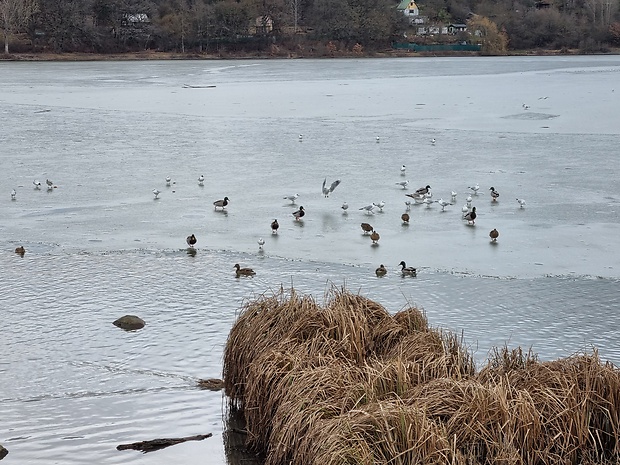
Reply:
x=367, y=228
x=243, y=271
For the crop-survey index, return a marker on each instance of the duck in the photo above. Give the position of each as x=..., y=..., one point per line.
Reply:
x=494, y=194
x=403, y=170
x=494, y=234
x=407, y=270
x=367, y=228
x=403, y=184
x=221, y=204
x=274, y=226
x=299, y=213
x=381, y=271
x=327, y=191
x=345, y=207
x=20, y=250
x=374, y=236
x=368, y=208
x=443, y=203
x=261, y=243
x=243, y=271
x=521, y=202
x=156, y=193
x=191, y=240
x=379, y=205
x=470, y=216
x=422, y=191
x=292, y=198
x=13, y=195
x=201, y=180
x=37, y=184
x=475, y=188
x=405, y=218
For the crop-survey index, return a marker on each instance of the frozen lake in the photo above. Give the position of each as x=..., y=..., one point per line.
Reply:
x=99, y=245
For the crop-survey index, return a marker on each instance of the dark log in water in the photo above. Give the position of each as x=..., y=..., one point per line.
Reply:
x=157, y=444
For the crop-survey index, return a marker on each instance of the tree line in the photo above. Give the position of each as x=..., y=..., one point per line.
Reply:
x=221, y=26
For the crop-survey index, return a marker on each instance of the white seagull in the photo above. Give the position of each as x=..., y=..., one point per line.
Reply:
x=301, y=137
x=156, y=193
x=453, y=194
x=345, y=206
x=403, y=170
x=327, y=191
x=50, y=184
x=37, y=184
x=407, y=205
x=443, y=203
x=521, y=202
x=379, y=205
x=292, y=198
x=468, y=200
x=433, y=141
x=13, y=194
x=201, y=180
x=475, y=188
x=168, y=180
x=368, y=208
x=377, y=139
x=403, y=184
x=465, y=209
x=261, y=243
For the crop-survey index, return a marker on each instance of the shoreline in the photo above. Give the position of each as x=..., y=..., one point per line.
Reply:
x=154, y=55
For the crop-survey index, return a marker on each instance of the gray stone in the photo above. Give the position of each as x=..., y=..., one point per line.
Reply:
x=130, y=323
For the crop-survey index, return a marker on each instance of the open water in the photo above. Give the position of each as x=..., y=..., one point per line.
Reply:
x=99, y=245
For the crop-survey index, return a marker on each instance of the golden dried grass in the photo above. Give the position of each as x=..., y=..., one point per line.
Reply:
x=348, y=383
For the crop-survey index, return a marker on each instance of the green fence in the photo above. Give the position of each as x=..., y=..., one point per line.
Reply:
x=437, y=47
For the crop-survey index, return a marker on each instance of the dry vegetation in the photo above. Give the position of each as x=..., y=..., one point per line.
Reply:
x=348, y=383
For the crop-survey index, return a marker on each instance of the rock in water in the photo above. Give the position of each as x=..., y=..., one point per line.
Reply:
x=129, y=323
x=3, y=452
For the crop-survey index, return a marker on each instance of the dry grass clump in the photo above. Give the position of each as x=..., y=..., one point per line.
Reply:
x=347, y=383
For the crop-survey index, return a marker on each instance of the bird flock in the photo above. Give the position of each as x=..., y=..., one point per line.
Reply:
x=421, y=196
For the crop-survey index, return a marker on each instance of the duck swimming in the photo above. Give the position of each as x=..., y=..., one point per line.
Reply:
x=407, y=270
x=381, y=271
x=243, y=271
x=20, y=250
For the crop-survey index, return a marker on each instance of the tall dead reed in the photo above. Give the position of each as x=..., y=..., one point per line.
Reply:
x=346, y=382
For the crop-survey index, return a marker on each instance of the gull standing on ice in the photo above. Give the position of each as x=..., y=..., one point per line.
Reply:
x=403, y=184
x=156, y=193
x=50, y=184
x=168, y=180
x=443, y=203
x=37, y=184
x=379, y=205
x=521, y=202
x=201, y=180
x=13, y=194
x=403, y=170
x=261, y=243
x=368, y=208
x=475, y=189
x=345, y=207
x=292, y=198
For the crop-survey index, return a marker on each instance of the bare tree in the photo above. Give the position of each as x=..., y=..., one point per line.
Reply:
x=15, y=15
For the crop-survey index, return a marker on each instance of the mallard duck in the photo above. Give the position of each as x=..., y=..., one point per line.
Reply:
x=243, y=271
x=20, y=250
x=191, y=240
x=274, y=227
x=367, y=228
x=299, y=213
x=470, y=216
x=405, y=218
x=374, y=236
x=521, y=202
x=422, y=191
x=221, y=204
x=381, y=271
x=407, y=270
x=494, y=194
x=326, y=191
x=494, y=234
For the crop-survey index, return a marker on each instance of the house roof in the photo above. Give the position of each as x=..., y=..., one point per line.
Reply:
x=405, y=5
